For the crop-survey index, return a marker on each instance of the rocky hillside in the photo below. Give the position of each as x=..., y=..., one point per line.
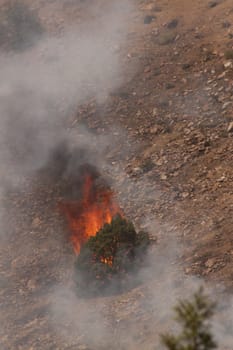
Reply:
x=168, y=123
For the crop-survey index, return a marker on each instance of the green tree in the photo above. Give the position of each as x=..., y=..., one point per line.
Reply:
x=109, y=257
x=193, y=316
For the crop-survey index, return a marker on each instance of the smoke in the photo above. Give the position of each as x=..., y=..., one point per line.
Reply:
x=39, y=90
x=42, y=87
x=135, y=319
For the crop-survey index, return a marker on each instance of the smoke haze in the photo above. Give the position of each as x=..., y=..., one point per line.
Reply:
x=40, y=89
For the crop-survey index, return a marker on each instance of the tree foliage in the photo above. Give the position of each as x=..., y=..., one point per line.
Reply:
x=193, y=316
x=110, y=257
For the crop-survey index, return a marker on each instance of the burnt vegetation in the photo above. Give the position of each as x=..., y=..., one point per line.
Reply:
x=108, y=262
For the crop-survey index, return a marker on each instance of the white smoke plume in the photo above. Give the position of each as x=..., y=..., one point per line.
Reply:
x=41, y=87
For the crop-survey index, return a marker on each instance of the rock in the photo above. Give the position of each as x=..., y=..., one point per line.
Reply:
x=226, y=104
x=154, y=111
x=31, y=285
x=147, y=69
x=36, y=222
x=188, y=270
x=136, y=171
x=230, y=127
x=228, y=64
x=210, y=263
x=82, y=347
x=185, y=194
x=154, y=129
x=163, y=176
x=221, y=179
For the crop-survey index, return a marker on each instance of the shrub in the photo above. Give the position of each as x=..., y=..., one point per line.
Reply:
x=109, y=258
x=229, y=54
x=166, y=38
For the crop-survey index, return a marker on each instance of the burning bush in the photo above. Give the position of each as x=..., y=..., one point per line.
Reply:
x=109, y=258
x=107, y=246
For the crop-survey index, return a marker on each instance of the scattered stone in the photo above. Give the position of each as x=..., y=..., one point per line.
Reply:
x=210, y=263
x=230, y=127
x=147, y=69
x=222, y=75
x=163, y=177
x=155, y=129
x=226, y=104
x=188, y=270
x=36, y=222
x=136, y=171
x=185, y=194
x=221, y=179
x=228, y=64
x=82, y=347
x=31, y=285
x=154, y=111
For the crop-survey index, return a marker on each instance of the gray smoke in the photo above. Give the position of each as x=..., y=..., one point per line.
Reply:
x=39, y=90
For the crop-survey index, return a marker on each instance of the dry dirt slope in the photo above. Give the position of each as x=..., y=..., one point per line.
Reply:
x=179, y=105
x=176, y=107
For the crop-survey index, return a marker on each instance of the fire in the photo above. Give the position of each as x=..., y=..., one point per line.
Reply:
x=108, y=261
x=88, y=215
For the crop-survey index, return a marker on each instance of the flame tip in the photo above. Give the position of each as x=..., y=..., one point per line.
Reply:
x=88, y=215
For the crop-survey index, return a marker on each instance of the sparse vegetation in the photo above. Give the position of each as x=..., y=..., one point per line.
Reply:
x=229, y=54
x=147, y=165
x=193, y=316
x=166, y=38
x=20, y=27
x=110, y=257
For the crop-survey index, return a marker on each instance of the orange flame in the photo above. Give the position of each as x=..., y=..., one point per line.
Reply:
x=87, y=216
x=108, y=261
